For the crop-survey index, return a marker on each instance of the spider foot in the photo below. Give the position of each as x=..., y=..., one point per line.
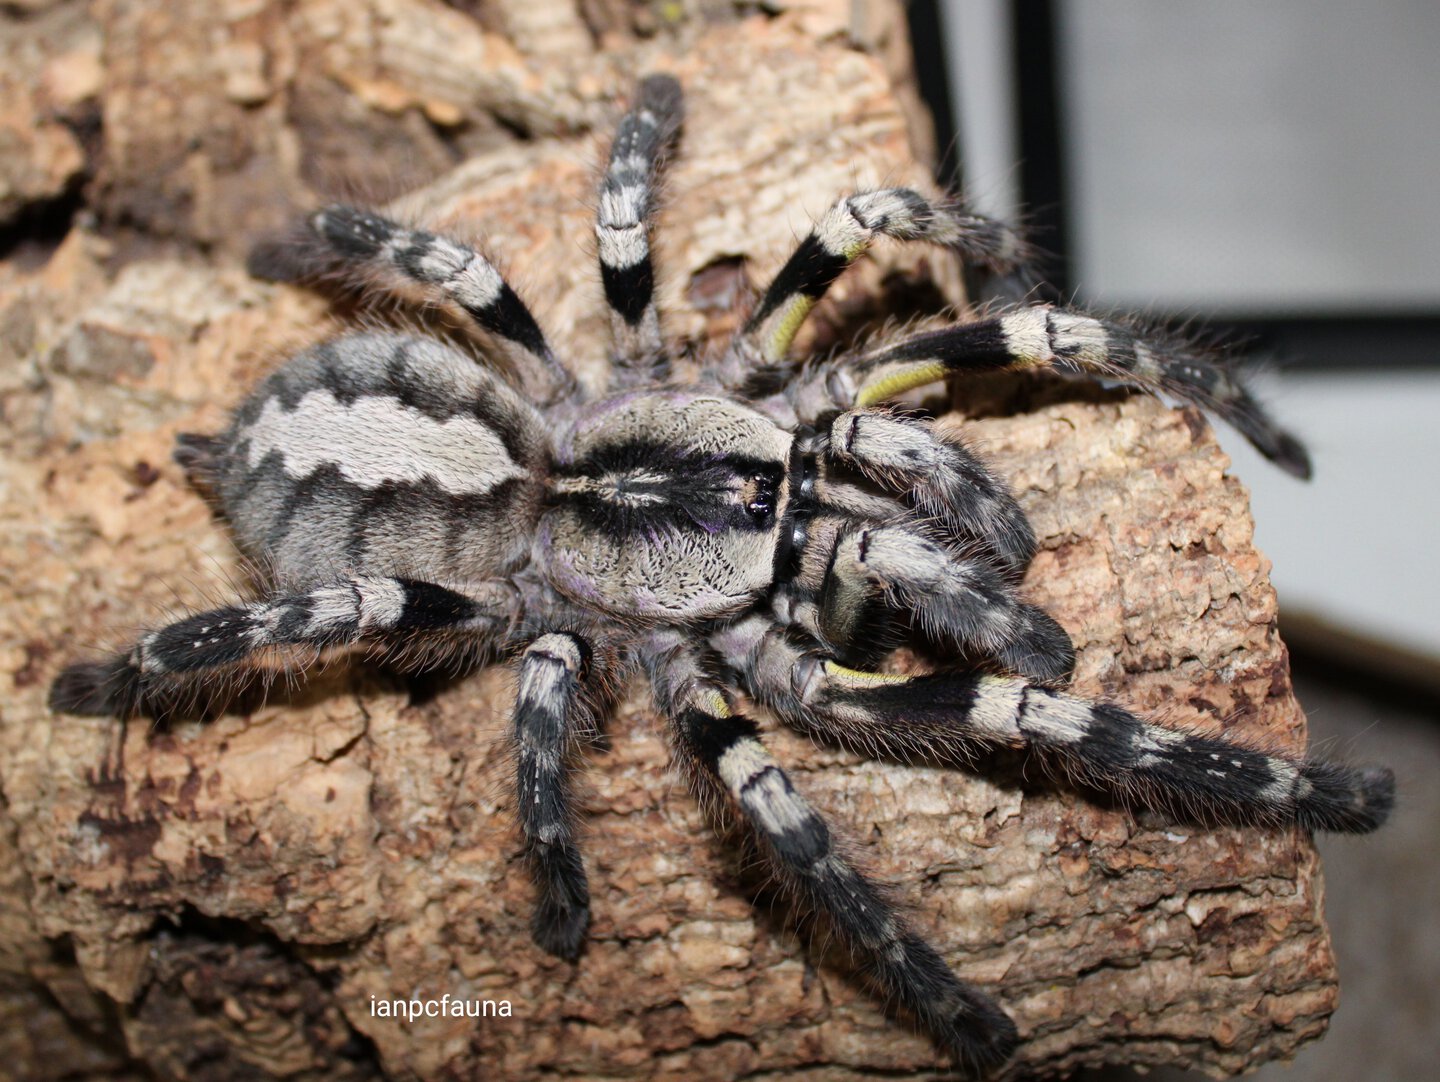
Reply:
x=1344, y=800
x=1041, y=649
x=562, y=913
x=110, y=688
x=978, y=1034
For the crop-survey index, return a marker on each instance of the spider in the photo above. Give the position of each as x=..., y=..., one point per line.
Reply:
x=758, y=529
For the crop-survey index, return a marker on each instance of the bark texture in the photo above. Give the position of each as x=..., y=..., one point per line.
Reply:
x=216, y=901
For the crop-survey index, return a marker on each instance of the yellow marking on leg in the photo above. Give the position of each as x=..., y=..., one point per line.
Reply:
x=786, y=324
x=860, y=678
x=712, y=702
x=900, y=380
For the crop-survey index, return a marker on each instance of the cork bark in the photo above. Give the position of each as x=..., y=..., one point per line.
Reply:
x=224, y=900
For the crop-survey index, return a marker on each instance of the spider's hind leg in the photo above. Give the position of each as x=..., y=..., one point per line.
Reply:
x=726, y=759
x=358, y=243
x=174, y=661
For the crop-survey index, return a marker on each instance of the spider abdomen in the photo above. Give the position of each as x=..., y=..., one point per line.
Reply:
x=383, y=454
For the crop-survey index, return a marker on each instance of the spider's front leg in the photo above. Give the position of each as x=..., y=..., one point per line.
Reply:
x=1047, y=337
x=360, y=610
x=950, y=716
x=942, y=478
x=836, y=241
x=962, y=601
x=726, y=759
x=549, y=711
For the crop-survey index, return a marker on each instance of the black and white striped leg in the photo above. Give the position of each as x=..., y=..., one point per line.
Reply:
x=724, y=752
x=1100, y=745
x=546, y=708
x=445, y=270
x=942, y=478
x=838, y=239
x=622, y=225
x=281, y=631
x=1043, y=336
x=964, y=602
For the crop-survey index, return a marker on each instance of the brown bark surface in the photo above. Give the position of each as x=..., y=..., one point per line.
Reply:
x=216, y=900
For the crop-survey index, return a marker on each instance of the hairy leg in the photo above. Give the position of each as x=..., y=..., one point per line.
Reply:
x=549, y=709
x=942, y=478
x=836, y=241
x=622, y=226
x=726, y=758
x=1043, y=336
x=952, y=716
x=965, y=603
x=442, y=270
x=361, y=610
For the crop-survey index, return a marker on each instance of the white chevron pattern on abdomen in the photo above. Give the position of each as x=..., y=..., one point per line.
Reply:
x=378, y=439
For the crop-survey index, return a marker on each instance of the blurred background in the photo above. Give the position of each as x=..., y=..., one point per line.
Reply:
x=1268, y=170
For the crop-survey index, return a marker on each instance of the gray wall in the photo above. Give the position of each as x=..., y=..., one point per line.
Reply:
x=1238, y=156
x=1283, y=158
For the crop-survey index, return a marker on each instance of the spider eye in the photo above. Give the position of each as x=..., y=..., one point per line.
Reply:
x=760, y=505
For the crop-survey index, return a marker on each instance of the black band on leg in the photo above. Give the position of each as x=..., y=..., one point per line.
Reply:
x=545, y=709
x=802, y=850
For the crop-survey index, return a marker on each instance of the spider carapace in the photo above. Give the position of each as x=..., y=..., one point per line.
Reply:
x=749, y=530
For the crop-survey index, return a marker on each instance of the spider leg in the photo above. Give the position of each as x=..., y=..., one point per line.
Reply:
x=442, y=269
x=622, y=227
x=951, y=716
x=548, y=711
x=726, y=758
x=964, y=602
x=353, y=611
x=836, y=241
x=1043, y=336
x=943, y=478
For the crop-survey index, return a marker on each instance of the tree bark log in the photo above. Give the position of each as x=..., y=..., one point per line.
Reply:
x=218, y=900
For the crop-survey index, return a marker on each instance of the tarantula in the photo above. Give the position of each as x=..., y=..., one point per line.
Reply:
x=753, y=528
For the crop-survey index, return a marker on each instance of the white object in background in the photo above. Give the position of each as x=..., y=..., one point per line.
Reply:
x=1355, y=546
